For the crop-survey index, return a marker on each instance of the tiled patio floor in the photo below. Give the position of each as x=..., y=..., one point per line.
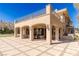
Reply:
x=10, y=46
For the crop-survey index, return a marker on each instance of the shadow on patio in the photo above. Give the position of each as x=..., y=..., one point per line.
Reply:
x=64, y=40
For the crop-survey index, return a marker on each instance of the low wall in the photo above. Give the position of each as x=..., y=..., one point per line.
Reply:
x=69, y=37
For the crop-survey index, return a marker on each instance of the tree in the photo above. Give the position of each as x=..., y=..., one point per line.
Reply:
x=77, y=7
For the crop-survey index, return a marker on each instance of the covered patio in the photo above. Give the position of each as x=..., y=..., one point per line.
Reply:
x=44, y=27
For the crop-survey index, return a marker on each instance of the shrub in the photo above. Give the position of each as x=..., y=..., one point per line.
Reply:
x=6, y=31
x=76, y=37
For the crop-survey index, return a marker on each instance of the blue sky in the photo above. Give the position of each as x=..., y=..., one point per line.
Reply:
x=12, y=11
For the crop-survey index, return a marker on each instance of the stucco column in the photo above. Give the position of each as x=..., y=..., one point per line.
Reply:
x=61, y=33
x=21, y=32
x=15, y=32
x=49, y=34
x=31, y=33
x=24, y=32
x=56, y=33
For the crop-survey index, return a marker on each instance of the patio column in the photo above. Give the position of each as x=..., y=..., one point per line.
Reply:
x=21, y=32
x=57, y=34
x=24, y=32
x=31, y=33
x=15, y=32
x=61, y=33
x=49, y=34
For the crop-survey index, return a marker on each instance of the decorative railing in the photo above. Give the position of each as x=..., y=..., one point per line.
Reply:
x=34, y=14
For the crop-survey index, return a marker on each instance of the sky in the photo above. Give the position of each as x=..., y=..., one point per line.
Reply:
x=12, y=11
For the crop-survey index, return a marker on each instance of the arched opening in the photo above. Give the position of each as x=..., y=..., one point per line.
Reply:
x=26, y=32
x=17, y=31
x=39, y=31
x=53, y=32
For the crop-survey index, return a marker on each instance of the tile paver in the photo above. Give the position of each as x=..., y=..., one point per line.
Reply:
x=24, y=48
x=21, y=54
x=11, y=52
x=42, y=48
x=33, y=52
x=45, y=54
x=73, y=52
x=66, y=54
x=10, y=46
x=54, y=52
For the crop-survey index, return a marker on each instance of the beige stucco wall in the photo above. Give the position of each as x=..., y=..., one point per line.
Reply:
x=43, y=19
x=56, y=22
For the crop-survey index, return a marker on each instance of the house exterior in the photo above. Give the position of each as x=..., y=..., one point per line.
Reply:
x=50, y=26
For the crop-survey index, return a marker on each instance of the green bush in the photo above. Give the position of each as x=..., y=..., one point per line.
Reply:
x=76, y=37
x=6, y=31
